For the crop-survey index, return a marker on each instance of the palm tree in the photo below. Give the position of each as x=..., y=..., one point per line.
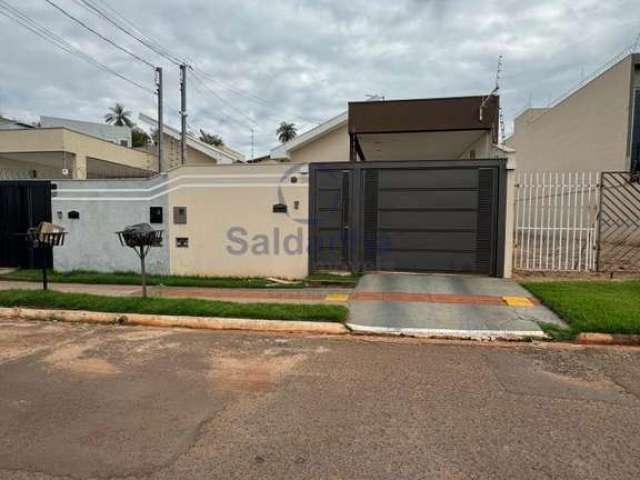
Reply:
x=211, y=138
x=286, y=131
x=119, y=117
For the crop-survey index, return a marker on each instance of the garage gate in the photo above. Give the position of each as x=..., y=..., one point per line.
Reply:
x=408, y=216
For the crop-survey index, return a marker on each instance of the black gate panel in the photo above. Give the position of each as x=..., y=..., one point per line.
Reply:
x=329, y=225
x=23, y=204
x=435, y=220
x=408, y=216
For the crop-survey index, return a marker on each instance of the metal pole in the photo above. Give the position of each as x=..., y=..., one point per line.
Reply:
x=183, y=113
x=45, y=257
x=160, y=129
x=143, y=271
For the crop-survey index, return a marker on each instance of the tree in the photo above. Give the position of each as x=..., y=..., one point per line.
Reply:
x=286, y=131
x=211, y=138
x=139, y=138
x=119, y=117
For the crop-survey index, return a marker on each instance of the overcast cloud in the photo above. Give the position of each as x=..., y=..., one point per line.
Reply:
x=303, y=60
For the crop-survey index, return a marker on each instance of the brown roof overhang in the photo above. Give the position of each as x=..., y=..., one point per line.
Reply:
x=424, y=115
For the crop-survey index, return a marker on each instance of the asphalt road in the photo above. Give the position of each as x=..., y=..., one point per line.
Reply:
x=81, y=401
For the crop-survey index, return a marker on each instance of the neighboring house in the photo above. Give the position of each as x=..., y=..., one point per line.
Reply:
x=198, y=152
x=111, y=133
x=56, y=153
x=328, y=142
x=594, y=128
x=10, y=124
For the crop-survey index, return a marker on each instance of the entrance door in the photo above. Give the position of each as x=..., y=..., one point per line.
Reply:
x=330, y=227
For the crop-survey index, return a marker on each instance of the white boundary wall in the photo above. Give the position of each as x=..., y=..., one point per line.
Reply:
x=231, y=228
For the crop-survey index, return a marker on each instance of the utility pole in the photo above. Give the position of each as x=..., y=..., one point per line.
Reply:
x=183, y=113
x=160, y=129
x=252, y=144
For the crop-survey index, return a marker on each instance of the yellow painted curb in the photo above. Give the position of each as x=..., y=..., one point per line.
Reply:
x=518, y=301
x=336, y=297
x=205, y=323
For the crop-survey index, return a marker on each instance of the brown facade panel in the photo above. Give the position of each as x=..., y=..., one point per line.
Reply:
x=423, y=115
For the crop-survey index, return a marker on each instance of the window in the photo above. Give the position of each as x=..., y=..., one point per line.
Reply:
x=124, y=143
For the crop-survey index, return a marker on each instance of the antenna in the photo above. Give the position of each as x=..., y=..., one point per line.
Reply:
x=374, y=97
x=497, y=89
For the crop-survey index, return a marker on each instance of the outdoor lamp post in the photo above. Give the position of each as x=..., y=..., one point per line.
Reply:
x=141, y=237
x=44, y=237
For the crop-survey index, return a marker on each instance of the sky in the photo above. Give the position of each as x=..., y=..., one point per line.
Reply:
x=256, y=63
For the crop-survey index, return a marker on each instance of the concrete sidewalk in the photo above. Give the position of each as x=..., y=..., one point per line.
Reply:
x=443, y=305
x=275, y=295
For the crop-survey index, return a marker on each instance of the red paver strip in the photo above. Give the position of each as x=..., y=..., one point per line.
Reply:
x=431, y=298
x=356, y=296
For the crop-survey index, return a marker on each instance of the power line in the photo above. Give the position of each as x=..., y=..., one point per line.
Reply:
x=230, y=105
x=95, y=32
x=140, y=37
x=155, y=46
x=224, y=111
x=24, y=20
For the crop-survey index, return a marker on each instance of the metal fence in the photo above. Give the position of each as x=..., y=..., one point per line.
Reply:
x=556, y=221
x=619, y=222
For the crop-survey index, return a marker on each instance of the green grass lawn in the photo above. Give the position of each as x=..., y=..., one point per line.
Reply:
x=171, y=306
x=133, y=278
x=604, y=307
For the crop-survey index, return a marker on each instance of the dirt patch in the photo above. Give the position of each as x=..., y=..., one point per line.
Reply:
x=252, y=374
x=21, y=339
x=74, y=357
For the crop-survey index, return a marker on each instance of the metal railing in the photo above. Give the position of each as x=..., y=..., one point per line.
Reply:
x=556, y=221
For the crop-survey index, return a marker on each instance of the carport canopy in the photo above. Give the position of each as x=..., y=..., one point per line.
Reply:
x=422, y=129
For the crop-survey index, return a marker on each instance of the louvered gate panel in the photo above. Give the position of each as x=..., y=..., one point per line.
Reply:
x=486, y=224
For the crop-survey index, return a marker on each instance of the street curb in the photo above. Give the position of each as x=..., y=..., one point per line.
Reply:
x=607, y=339
x=204, y=323
x=447, y=334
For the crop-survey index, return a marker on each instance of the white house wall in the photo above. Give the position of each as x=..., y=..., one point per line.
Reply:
x=230, y=227
x=105, y=207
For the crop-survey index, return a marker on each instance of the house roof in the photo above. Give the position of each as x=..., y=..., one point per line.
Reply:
x=282, y=151
x=223, y=154
x=11, y=121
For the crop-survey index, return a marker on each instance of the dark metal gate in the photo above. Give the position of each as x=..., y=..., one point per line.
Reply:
x=619, y=222
x=408, y=216
x=23, y=204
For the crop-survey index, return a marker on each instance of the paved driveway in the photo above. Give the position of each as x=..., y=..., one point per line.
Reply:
x=80, y=402
x=446, y=305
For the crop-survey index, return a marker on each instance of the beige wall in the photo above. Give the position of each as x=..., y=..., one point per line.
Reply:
x=82, y=146
x=332, y=147
x=239, y=197
x=172, y=154
x=481, y=148
x=588, y=131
